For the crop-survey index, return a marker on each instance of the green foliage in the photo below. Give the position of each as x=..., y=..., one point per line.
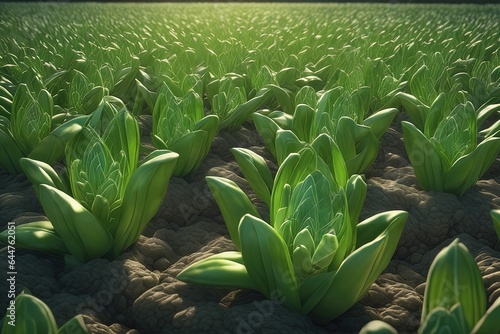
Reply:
x=180, y=125
x=336, y=113
x=29, y=131
x=321, y=96
x=230, y=101
x=33, y=316
x=309, y=251
x=454, y=299
x=447, y=157
x=455, y=279
x=107, y=198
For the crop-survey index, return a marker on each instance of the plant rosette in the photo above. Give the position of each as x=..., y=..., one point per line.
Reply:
x=312, y=254
x=100, y=207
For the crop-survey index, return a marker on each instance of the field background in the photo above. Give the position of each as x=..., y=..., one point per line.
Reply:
x=138, y=292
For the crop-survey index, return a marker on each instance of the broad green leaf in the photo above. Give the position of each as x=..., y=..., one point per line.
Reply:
x=42, y=173
x=226, y=269
x=356, y=274
x=371, y=228
x=287, y=76
x=379, y=122
x=256, y=172
x=327, y=101
x=424, y=157
x=310, y=80
x=313, y=289
x=92, y=99
x=286, y=143
x=489, y=322
x=468, y=169
x=358, y=144
x=39, y=236
x=435, y=115
x=243, y=111
x=281, y=118
x=147, y=95
x=32, y=316
x=85, y=237
x=267, y=129
x=306, y=96
x=210, y=124
x=301, y=124
x=326, y=148
x=267, y=261
x=283, y=97
x=302, y=261
x=356, y=194
x=51, y=148
x=192, y=105
x=325, y=251
x=158, y=142
x=190, y=148
x=416, y=110
x=232, y=202
x=143, y=196
x=454, y=278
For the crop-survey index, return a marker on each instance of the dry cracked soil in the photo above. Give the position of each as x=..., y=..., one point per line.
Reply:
x=138, y=292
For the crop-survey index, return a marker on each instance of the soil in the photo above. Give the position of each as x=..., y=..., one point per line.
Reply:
x=138, y=292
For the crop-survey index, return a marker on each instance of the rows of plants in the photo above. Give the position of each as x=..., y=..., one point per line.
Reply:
x=321, y=84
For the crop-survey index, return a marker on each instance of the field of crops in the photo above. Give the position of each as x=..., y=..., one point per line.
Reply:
x=249, y=168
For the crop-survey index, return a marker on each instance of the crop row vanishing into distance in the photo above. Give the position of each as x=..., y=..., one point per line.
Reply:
x=82, y=85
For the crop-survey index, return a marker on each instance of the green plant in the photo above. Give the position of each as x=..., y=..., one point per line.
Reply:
x=75, y=92
x=337, y=114
x=229, y=100
x=431, y=78
x=31, y=315
x=454, y=299
x=101, y=207
x=446, y=156
x=327, y=157
x=125, y=87
x=482, y=86
x=384, y=86
x=312, y=253
x=180, y=125
x=30, y=132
